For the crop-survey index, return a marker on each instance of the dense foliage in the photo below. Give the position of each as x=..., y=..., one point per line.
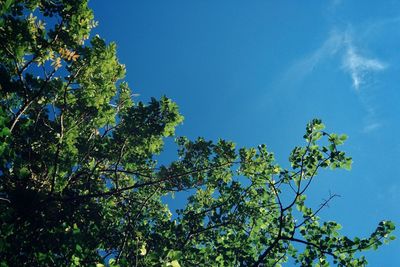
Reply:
x=79, y=180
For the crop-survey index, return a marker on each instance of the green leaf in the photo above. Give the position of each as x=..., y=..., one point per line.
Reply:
x=143, y=250
x=174, y=263
x=81, y=173
x=4, y=132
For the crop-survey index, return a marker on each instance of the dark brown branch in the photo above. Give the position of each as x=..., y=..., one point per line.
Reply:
x=61, y=133
x=301, y=177
x=135, y=186
x=27, y=104
x=20, y=72
x=309, y=244
x=324, y=204
x=262, y=257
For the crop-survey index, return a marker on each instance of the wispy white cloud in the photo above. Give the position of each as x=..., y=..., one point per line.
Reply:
x=305, y=66
x=356, y=61
x=359, y=66
x=371, y=127
x=338, y=44
x=374, y=29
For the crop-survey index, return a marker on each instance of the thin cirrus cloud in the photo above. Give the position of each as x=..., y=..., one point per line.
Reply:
x=369, y=127
x=359, y=66
x=338, y=44
x=305, y=66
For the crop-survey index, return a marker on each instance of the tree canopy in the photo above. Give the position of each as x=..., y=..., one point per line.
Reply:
x=80, y=184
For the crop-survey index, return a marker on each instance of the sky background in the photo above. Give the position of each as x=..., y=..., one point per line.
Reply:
x=257, y=71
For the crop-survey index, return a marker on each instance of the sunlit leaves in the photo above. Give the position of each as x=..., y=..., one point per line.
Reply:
x=80, y=181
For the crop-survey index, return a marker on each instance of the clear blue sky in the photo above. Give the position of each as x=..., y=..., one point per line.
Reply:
x=257, y=71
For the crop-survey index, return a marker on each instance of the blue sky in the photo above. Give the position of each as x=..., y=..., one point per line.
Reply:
x=257, y=71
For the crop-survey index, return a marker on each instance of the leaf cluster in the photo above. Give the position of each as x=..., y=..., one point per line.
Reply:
x=79, y=180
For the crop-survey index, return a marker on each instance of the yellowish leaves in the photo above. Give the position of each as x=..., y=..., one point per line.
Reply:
x=35, y=26
x=57, y=63
x=174, y=263
x=64, y=54
x=276, y=169
x=143, y=250
x=68, y=54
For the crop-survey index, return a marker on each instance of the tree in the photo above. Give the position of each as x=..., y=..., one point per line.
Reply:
x=80, y=184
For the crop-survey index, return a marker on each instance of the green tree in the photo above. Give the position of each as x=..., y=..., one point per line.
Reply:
x=80, y=184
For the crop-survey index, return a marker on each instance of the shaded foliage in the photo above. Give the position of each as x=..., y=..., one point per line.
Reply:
x=79, y=180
